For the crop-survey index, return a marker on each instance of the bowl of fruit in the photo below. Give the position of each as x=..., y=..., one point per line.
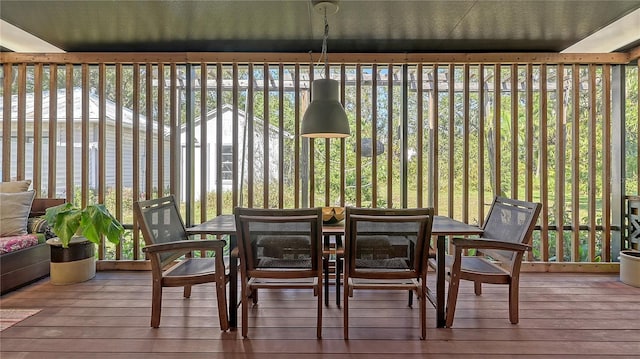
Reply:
x=332, y=215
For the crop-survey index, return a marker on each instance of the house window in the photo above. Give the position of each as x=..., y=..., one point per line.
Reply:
x=227, y=162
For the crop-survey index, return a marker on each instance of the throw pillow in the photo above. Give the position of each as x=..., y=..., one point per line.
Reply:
x=15, y=186
x=14, y=212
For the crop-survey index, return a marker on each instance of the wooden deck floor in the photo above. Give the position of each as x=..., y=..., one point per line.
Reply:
x=561, y=315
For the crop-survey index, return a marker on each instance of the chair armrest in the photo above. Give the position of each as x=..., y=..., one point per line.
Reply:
x=487, y=243
x=188, y=245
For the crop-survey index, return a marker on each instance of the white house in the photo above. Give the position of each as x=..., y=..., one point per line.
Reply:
x=227, y=149
x=125, y=162
x=127, y=137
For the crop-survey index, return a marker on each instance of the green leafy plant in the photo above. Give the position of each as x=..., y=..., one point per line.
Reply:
x=92, y=222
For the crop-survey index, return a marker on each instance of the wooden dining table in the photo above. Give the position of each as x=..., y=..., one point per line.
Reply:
x=442, y=227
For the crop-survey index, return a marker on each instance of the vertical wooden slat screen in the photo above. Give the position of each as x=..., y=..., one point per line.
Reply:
x=592, y=190
x=136, y=153
x=638, y=133
x=327, y=155
x=281, y=131
x=434, y=140
x=448, y=103
x=403, y=133
x=543, y=165
x=188, y=141
x=22, y=121
x=465, y=139
x=296, y=140
x=53, y=130
x=343, y=152
x=235, y=134
x=69, y=132
x=390, y=122
x=529, y=139
x=514, y=130
x=312, y=150
x=482, y=113
x=606, y=162
x=204, y=150
x=102, y=144
x=420, y=178
x=174, y=126
x=84, y=137
x=374, y=135
x=575, y=163
x=265, y=137
x=249, y=137
x=6, y=123
x=148, y=126
x=529, y=134
x=204, y=143
x=497, y=95
x=560, y=162
x=118, y=154
x=327, y=171
x=37, y=130
x=358, y=135
x=161, y=129
x=451, y=84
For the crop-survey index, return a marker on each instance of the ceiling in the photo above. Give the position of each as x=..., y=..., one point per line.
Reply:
x=294, y=26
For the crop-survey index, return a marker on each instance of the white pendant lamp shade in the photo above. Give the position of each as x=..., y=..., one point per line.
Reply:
x=325, y=116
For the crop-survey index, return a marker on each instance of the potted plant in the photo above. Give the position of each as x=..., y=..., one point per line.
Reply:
x=78, y=230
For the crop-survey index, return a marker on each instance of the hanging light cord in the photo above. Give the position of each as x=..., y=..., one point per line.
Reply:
x=324, y=42
x=323, y=54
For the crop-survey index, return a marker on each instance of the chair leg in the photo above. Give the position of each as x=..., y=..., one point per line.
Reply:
x=245, y=308
x=513, y=303
x=221, y=293
x=156, y=304
x=338, y=275
x=325, y=267
x=319, y=314
x=452, y=297
x=423, y=310
x=187, y=291
x=477, y=287
x=346, y=309
x=410, y=299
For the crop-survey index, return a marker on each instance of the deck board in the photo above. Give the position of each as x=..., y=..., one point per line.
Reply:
x=561, y=315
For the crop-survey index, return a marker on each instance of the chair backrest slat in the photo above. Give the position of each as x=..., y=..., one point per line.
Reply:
x=512, y=221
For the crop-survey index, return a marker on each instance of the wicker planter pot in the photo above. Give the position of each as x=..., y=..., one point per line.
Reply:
x=630, y=268
x=74, y=264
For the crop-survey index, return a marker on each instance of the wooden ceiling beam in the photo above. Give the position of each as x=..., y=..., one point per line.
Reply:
x=346, y=58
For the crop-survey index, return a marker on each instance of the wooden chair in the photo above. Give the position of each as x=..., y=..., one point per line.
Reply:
x=385, y=249
x=172, y=265
x=279, y=248
x=499, y=253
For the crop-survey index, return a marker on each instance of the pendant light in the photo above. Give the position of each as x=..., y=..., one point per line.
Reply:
x=325, y=117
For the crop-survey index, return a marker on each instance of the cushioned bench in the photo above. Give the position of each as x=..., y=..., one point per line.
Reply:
x=23, y=266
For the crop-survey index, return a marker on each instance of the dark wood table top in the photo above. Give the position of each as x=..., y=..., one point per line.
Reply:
x=442, y=225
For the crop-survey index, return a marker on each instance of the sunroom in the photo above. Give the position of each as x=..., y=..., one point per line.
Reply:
x=449, y=105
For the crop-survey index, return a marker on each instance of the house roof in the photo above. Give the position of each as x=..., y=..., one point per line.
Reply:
x=61, y=104
x=227, y=112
